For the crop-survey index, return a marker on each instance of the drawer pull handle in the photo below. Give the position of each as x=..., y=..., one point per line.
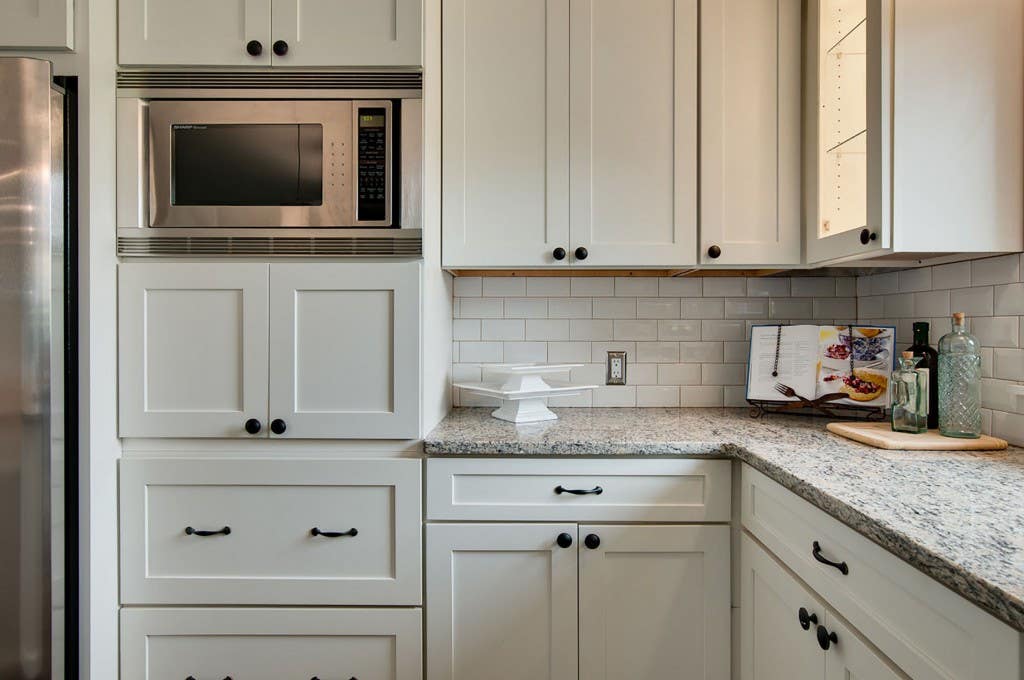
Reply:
x=597, y=491
x=841, y=566
x=826, y=639
x=806, y=619
x=202, y=532
x=315, y=531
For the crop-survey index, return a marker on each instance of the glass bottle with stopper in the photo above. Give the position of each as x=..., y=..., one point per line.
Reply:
x=959, y=382
x=910, y=396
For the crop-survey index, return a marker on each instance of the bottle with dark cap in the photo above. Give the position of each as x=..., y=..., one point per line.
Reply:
x=930, y=361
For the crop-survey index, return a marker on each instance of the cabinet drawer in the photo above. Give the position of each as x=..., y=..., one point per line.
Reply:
x=270, y=644
x=264, y=549
x=927, y=630
x=665, y=490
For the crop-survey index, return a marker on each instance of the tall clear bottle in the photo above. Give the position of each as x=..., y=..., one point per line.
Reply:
x=959, y=382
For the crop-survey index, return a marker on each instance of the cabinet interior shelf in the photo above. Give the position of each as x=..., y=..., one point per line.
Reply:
x=849, y=144
x=846, y=35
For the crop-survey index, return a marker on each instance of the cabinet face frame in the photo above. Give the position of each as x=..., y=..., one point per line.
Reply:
x=136, y=282
x=445, y=541
x=879, y=69
x=598, y=586
x=401, y=284
x=139, y=477
x=138, y=42
x=51, y=26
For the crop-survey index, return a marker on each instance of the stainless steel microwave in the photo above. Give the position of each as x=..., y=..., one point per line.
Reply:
x=295, y=176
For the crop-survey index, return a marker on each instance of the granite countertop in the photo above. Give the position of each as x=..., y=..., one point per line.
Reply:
x=956, y=516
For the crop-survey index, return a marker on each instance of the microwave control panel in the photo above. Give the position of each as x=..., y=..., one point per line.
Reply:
x=372, y=179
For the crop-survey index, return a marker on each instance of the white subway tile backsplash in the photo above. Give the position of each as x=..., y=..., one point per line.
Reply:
x=736, y=352
x=900, y=305
x=681, y=329
x=913, y=280
x=746, y=308
x=503, y=286
x=589, y=374
x=725, y=286
x=836, y=308
x=995, y=270
x=723, y=374
x=570, y=308
x=543, y=286
x=646, y=329
x=702, y=308
x=525, y=352
x=1008, y=364
x=657, y=308
x=1001, y=395
x=1009, y=426
x=680, y=287
x=599, y=351
x=996, y=331
x=614, y=308
x=465, y=329
x=468, y=286
x=813, y=286
x=956, y=275
x=790, y=308
x=679, y=374
x=480, y=352
x=502, y=329
x=986, y=362
x=592, y=286
x=723, y=330
x=657, y=352
x=568, y=352
x=699, y=396
x=974, y=301
x=590, y=329
x=846, y=286
x=884, y=284
x=870, y=307
x=642, y=374
x=931, y=303
x=615, y=395
x=657, y=395
x=481, y=308
x=736, y=396
x=645, y=286
x=768, y=287
x=702, y=352
x=1009, y=299
x=526, y=308
x=547, y=329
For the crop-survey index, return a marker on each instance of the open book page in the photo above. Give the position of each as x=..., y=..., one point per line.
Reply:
x=857, y=362
x=797, y=352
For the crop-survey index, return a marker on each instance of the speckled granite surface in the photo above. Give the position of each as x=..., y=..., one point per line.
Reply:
x=956, y=516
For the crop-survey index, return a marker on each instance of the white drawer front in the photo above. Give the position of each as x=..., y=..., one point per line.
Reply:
x=264, y=549
x=270, y=644
x=930, y=632
x=664, y=490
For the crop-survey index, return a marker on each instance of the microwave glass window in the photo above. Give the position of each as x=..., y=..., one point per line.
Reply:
x=372, y=165
x=247, y=164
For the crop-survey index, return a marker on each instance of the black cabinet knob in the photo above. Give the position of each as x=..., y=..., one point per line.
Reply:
x=714, y=252
x=558, y=253
x=592, y=541
x=564, y=540
x=826, y=639
x=581, y=253
x=254, y=48
x=866, y=236
x=278, y=426
x=280, y=48
x=806, y=619
x=253, y=426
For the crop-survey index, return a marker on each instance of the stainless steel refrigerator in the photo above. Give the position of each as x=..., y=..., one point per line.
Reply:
x=36, y=442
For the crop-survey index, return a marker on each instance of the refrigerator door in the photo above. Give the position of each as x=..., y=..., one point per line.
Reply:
x=31, y=229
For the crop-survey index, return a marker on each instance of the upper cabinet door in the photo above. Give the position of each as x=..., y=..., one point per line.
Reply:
x=192, y=345
x=849, y=88
x=349, y=33
x=194, y=32
x=654, y=602
x=634, y=132
x=501, y=602
x=344, y=350
x=38, y=24
x=505, y=132
x=750, y=132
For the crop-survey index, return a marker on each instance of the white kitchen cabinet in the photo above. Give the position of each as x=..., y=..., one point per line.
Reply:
x=654, y=602
x=192, y=348
x=351, y=33
x=750, y=132
x=38, y=24
x=255, y=350
x=510, y=183
x=270, y=644
x=894, y=168
x=850, y=658
x=501, y=602
x=270, y=32
x=344, y=349
x=193, y=32
x=633, y=122
x=505, y=132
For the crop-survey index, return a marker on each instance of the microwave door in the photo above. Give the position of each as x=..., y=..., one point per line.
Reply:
x=251, y=164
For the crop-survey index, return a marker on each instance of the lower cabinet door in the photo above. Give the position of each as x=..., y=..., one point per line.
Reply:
x=270, y=644
x=501, y=602
x=850, y=658
x=654, y=602
x=774, y=607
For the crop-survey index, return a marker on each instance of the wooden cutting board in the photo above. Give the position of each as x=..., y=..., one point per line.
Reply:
x=881, y=436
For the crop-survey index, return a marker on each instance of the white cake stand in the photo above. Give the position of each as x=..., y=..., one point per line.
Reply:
x=523, y=388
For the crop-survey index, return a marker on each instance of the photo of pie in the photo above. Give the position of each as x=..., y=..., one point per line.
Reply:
x=862, y=385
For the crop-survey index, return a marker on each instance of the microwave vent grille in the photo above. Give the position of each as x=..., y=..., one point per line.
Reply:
x=257, y=246
x=264, y=80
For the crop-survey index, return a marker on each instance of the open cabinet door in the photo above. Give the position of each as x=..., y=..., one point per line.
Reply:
x=849, y=123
